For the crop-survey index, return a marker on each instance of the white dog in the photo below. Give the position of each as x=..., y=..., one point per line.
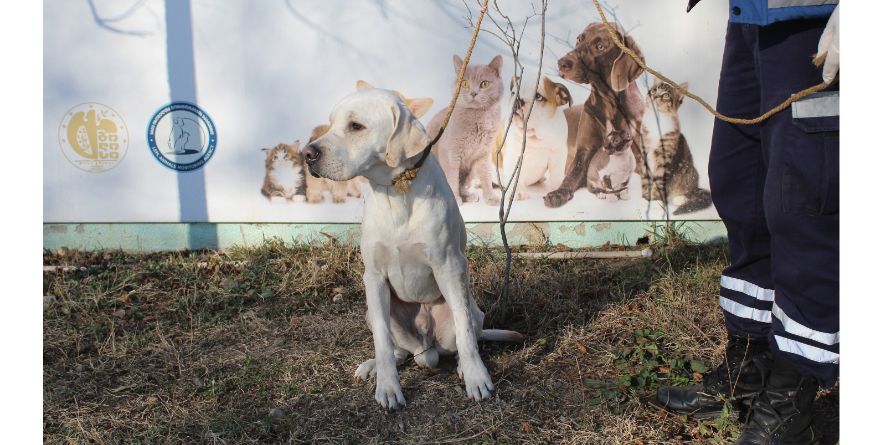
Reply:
x=413, y=245
x=546, y=135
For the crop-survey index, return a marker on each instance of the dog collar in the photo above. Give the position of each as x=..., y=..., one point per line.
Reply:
x=404, y=179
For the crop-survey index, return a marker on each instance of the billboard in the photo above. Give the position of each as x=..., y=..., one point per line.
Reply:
x=180, y=111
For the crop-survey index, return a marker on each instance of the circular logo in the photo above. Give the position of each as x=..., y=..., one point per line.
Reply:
x=93, y=137
x=182, y=136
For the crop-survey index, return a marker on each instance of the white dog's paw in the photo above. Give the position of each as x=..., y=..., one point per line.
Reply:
x=366, y=370
x=492, y=199
x=388, y=393
x=478, y=384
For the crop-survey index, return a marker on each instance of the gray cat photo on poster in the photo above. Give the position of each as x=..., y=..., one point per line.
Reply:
x=465, y=148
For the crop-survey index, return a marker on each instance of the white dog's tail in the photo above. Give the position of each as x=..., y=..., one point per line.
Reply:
x=501, y=335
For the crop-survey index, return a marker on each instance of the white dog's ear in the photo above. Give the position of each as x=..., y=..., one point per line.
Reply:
x=408, y=139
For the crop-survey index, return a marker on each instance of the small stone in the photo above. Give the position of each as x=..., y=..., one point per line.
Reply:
x=151, y=400
x=338, y=298
x=198, y=382
x=401, y=427
x=119, y=313
x=275, y=413
x=79, y=367
x=49, y=300
x=324, y=267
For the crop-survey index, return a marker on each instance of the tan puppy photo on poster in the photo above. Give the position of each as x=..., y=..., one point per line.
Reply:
x=546, y=135
x=340, y=190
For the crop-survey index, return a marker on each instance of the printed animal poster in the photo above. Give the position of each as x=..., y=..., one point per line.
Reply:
x=178, y=110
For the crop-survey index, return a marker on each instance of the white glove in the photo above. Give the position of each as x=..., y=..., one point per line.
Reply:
x=829, y=47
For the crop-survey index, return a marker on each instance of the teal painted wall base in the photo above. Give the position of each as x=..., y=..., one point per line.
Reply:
x=153, y=237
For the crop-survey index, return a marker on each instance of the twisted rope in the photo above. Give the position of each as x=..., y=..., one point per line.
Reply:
x=403, y=180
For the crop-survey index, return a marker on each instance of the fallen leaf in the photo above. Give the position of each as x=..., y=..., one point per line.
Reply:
x=697, y=366
x=664, y=369
x=526, y=428
x=119, y=313
x=582, y=348
x=697, y=376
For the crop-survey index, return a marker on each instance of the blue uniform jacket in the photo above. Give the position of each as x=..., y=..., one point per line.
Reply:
x=766, y=12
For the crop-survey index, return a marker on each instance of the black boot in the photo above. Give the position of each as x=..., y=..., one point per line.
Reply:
x=782, y=414
x=736, y=378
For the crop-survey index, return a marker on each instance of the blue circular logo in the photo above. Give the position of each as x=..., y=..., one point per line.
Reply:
x=182, y=136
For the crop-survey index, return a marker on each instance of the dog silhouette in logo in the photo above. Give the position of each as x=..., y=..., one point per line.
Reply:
x=186, y=136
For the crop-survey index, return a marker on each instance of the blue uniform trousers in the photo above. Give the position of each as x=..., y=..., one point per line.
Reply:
x=775, y=185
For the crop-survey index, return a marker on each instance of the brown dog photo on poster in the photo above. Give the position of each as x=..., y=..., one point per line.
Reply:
x=615, y=101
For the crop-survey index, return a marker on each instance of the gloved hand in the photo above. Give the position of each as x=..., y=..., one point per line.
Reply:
x=829, y=47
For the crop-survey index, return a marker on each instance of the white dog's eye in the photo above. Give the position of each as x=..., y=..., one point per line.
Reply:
x=539, y=97
x=355, y=126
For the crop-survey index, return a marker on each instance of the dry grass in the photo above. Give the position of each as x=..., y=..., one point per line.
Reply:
x=249, y=346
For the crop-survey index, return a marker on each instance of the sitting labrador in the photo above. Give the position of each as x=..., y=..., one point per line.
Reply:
x=413, y=245
x=615, y=101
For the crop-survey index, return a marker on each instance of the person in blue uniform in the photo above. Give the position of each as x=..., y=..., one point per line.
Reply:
x=775, y=186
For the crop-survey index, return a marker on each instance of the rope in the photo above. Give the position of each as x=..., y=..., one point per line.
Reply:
x=733, y=120
x=402, y=181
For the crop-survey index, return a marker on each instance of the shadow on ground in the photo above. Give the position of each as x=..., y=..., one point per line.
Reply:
x=259, y=346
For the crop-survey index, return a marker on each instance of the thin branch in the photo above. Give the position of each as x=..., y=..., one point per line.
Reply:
x=508, y=188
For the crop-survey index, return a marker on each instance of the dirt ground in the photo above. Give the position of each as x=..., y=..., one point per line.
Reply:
x=260, y=345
